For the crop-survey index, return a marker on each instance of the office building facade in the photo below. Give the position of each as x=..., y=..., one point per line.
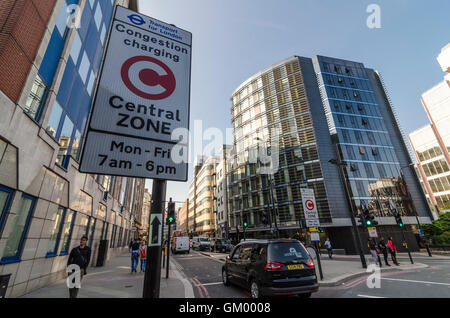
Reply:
x=431, y=143
x=50, y=54
x=319, y=109
x=201, y=216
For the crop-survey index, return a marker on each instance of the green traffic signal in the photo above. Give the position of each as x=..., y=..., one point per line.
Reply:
x=400, y=224
x=245, y=224
x=368, y=222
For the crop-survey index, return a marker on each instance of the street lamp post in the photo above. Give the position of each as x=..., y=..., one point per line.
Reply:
x=273, y=217
x=413, y=207
x=356, y=237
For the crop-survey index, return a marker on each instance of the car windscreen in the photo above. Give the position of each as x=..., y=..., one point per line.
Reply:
x=202, y=239
x=286, y=251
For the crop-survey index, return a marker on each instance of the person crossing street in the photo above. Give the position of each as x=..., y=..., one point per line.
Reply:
x=383, y=249
x=143, y=255
x=134, y=250
x=393, y=250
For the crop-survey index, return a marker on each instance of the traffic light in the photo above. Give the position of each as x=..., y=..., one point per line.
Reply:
x=398, y=218
x=264, y=218
x=361, y=220
x=245, y=222
x=320, y=230
x=369, y=219
x=171, y=213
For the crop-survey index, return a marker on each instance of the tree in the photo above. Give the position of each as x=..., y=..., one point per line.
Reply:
x=439, y=230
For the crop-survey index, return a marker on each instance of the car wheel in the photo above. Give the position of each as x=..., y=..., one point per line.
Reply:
x=225, y=278
x=307, y=295
x=254, y=289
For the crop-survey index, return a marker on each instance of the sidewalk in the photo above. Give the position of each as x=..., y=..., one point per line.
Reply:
x=114, y=280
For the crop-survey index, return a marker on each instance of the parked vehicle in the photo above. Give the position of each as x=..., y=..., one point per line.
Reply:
x=271, y=267
x=200, y=243
x=180, y=244
x=221, y=245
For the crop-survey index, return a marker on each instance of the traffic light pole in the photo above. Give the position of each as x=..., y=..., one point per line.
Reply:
x=152, y=278
x=168, y=250
x=407, y=248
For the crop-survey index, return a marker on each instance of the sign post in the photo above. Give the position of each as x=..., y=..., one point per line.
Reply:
x=139, y=119
x=312, y=220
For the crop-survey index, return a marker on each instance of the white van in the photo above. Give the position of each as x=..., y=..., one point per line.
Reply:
x=200, y=243
x=180, y=244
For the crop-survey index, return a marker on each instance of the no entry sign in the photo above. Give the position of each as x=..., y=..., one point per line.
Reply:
x=142, y=96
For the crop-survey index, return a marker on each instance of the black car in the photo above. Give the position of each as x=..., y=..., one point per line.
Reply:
x=271, y=267
x=221, y=245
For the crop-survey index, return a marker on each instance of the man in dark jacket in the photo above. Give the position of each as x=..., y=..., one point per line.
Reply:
x=383, y=249
x=81, y=256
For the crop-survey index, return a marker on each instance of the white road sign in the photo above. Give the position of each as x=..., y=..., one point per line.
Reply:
x=155, y=230
x=142, y=96
x=310, y=208
x=315, y=237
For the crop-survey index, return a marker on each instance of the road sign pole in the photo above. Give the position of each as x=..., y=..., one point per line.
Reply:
x=168, y=251
x=318, y=261
x=152, y=278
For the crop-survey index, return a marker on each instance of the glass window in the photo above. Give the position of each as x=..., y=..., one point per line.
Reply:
x=84, y=67
x=98, y=16
x=56, y=233
x=55, y=117
x=286, y=252
x=5, y=200
x=35, y=99
x=20, y=221
x=84, y=226
x=76, y=145
x=92, y=222
x=103, y=34
x=61, y=23
x=90, y=84
x=76, y=48
x=64, y=142
x=67, y=231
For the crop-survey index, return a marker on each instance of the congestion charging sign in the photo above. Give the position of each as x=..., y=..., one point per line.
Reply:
x=142, y=96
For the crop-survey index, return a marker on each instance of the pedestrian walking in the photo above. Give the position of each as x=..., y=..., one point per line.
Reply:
x=393, y=250
x=143, y=255
x=383, y=249
x=329, y=247
x=134, y=250
x=81, y=256
x=373, y=250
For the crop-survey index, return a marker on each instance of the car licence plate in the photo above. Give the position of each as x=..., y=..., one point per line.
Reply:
x=298, y=266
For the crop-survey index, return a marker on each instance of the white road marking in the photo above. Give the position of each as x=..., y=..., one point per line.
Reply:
x=368, y=296
x=415, y=281
x=209, y=284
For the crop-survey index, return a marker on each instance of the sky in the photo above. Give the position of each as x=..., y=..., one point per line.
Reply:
x=234, y=39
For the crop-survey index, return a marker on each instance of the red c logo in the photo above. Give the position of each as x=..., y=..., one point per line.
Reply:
x=149, y=77
x=309, y=205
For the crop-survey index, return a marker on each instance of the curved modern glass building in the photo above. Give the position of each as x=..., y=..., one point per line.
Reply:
x=305, y=112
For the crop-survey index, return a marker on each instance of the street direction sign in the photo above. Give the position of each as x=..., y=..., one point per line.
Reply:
x=310, y=208
x=141, y=101
x=155, y=230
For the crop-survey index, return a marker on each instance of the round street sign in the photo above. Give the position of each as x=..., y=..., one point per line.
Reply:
x=149, y=76
x=309, y=205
